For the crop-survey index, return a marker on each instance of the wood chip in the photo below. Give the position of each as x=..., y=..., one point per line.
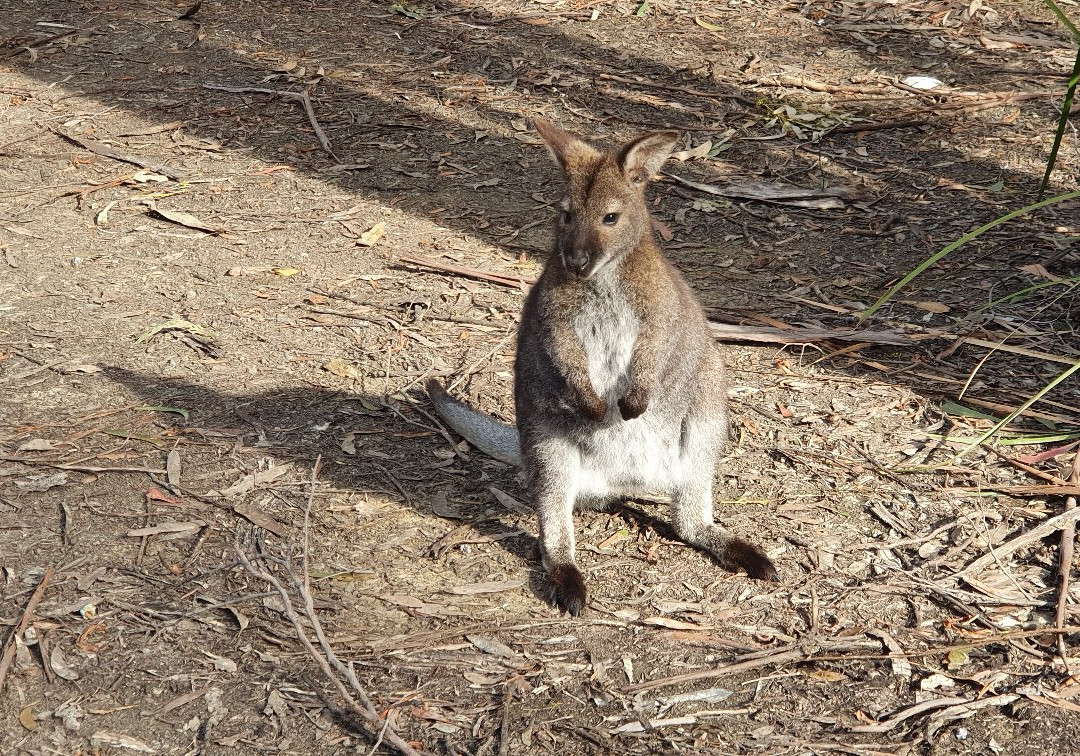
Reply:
x=189, y=526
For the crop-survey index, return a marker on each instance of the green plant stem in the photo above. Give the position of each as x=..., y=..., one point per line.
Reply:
x=1022, y=408
x=959, y=243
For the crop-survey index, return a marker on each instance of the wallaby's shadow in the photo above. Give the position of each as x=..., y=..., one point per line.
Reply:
x=299, y=424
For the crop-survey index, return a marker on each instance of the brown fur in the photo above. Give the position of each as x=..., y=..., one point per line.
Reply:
x=619, y=386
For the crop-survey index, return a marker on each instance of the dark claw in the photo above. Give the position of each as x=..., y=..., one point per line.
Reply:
x=568, y=589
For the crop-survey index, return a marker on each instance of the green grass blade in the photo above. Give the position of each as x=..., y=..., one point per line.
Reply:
x=959, y=243
x=1022, y=408
x=1063, y=122
x=1014, y=296
x=1066, y=22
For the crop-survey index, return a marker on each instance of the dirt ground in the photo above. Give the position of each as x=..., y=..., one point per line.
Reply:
x=205, y=343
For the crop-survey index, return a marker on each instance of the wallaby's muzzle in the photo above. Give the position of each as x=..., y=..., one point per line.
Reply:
x=577, y=262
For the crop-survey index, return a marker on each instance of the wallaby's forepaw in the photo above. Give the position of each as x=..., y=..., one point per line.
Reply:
x=738, y=553
x=633, y=404
x=592, y=406
x=567, y=588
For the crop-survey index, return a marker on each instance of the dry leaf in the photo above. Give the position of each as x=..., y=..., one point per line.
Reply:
x=240, y=617
x=116, y=740
x=491, y=646
x=156, y=494
x=249, y=481
x=38, y=444
x=41, y=483
x=26, y=718
x=60, y=665
x=183, y=219
x=260, y=518
x=509, y=501
x=348, y=444
x=247, y=270
x=172, y=468
x=936, y=307
x=221, y=663
x=477, y=679
x=697, y=152
x=345, y=369
x=371, y=237
x=826, y=675
x=1036, y=269
x=178, y=528
x=672, y=624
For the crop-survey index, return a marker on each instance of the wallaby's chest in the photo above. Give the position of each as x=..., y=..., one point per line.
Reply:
x=607, y=327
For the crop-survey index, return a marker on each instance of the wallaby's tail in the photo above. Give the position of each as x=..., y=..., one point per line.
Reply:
x=487, y=434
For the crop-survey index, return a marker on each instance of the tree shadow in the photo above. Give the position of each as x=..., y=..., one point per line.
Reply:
x=427, y=112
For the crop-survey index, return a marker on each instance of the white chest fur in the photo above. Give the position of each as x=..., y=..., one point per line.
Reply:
x=608, y=328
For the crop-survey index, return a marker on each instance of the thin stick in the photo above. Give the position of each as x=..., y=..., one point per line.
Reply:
x=476, y=365
x=802, y=335
x=98, y=148
x=742, y=663
x=512, y=282
x=81, y=468
x=909, y=123
x=362, y=707
x=307, y=522
x=302, y=97
x=1065, y=558
x=9, y=645
x=1037, y=533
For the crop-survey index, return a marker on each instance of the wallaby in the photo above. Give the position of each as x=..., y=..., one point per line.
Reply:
x=618, y=384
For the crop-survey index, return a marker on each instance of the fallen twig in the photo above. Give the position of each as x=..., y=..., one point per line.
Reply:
x=331, y=666
x=673, y=88
x=99, y=148
x=784, y=655
x=965, y=710
x=802, y=335
x=9, y=645
x=81, y=468
x=857, y=128
x=1016, y=489
x=904, y=714
x=1037, y=533
x=1065, y=560
x=482, y=275
x=302, y=97
x=29, y=46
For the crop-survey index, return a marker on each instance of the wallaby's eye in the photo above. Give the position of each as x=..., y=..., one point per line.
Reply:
x=565, y=217
x=611, y=219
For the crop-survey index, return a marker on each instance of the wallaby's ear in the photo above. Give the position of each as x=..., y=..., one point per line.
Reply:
x=642, y=157
x=566, y=147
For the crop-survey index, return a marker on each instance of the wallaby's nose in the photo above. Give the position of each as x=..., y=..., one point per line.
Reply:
x=576, y=261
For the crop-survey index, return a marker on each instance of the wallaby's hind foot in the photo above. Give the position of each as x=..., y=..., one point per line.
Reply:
x=733, y=553
x=567, y=588
x=739, y=553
